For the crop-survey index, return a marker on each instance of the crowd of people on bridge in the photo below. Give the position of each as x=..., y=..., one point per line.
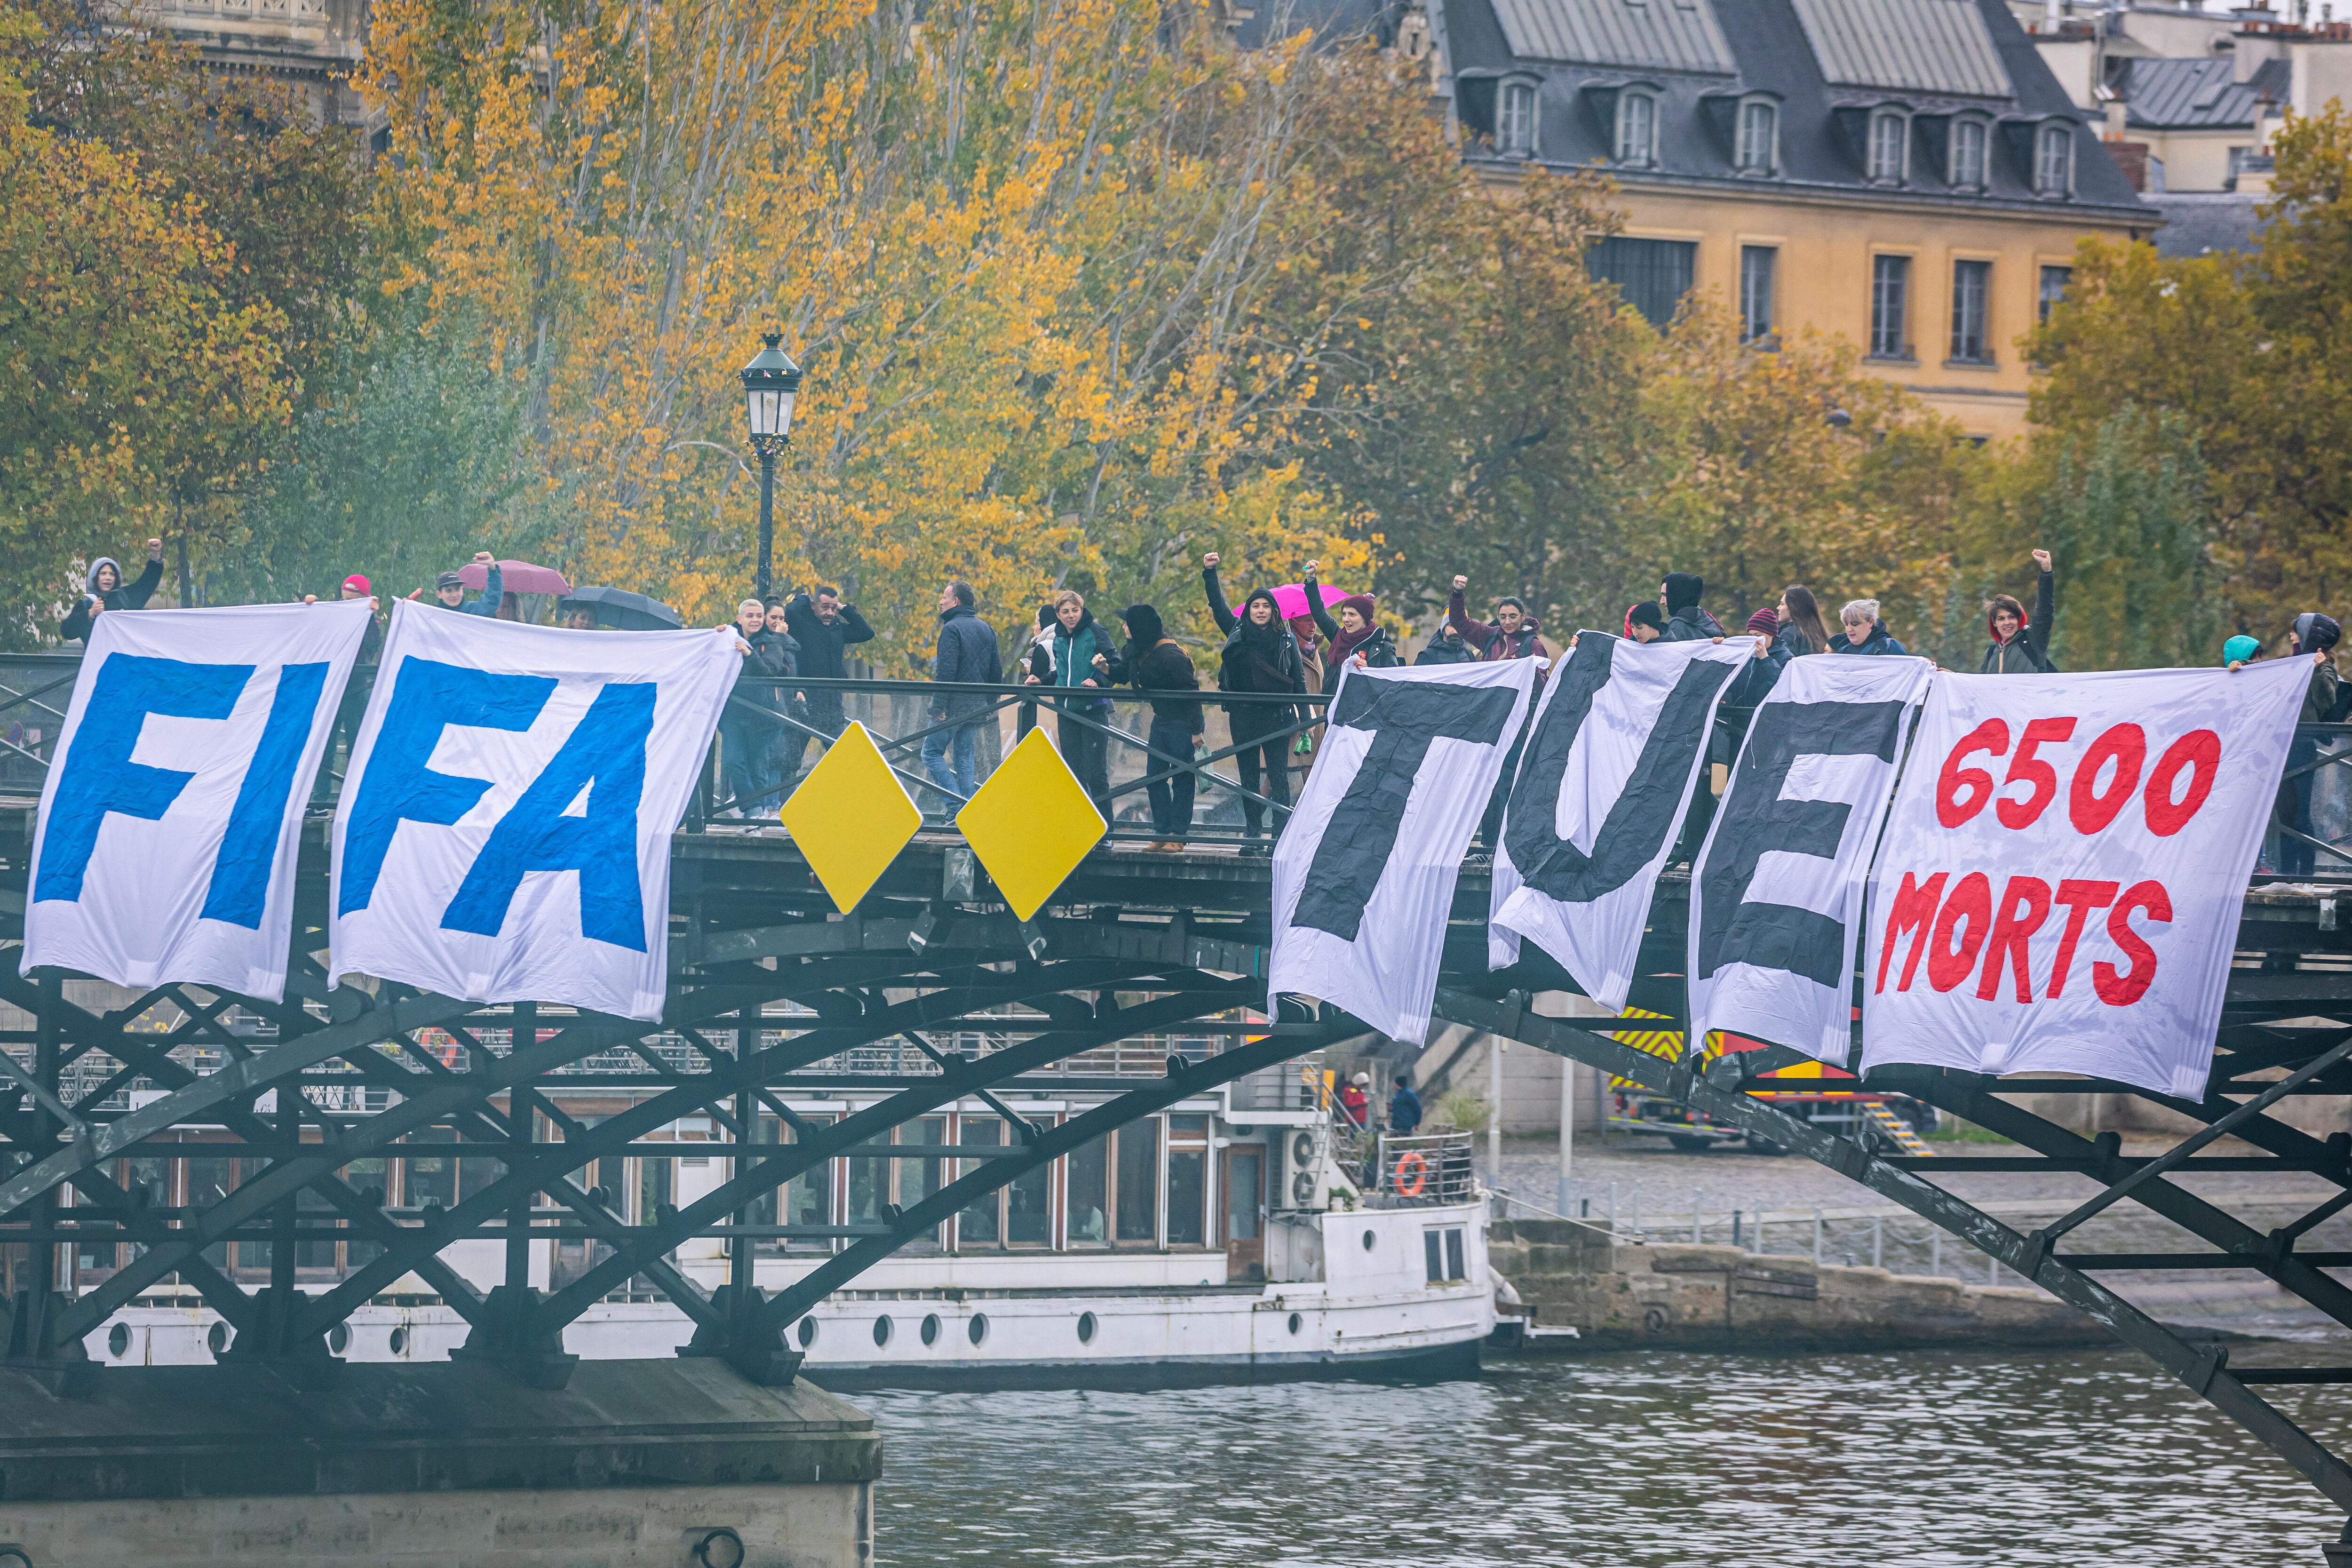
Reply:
x=1285, y=642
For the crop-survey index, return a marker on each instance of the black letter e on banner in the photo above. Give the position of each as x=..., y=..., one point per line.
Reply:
x=1755, y=819
x=1403, y=719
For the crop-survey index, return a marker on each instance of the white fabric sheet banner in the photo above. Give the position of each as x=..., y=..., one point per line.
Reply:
x=1619, y=737
x=504, y=835
x=172, y=810
x=1364, y=874
x=1777, y=895
x=2064, y=872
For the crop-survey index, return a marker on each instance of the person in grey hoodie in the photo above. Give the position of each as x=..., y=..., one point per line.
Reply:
x=108, y=591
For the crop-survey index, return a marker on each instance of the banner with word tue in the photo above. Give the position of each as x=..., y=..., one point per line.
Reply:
x=1364, y=874
x=173, y=811
x=1776, y=909
x=2065, y=866
x=1617, y=743
x=504, y=834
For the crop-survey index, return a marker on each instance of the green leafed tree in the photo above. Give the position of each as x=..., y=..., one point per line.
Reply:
x=2126, y=513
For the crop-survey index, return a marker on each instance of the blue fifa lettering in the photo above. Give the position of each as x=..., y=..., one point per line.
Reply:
x=239, y=890
x=427, y=698
x=98, y=775
x=605, y=757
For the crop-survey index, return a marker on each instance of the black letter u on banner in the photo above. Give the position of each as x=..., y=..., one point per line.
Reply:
x=1637, y=824
x=1403, y=718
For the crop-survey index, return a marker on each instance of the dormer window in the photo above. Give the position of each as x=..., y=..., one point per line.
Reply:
x=1759, y=146
x=2053, y=160
x=1515, y=121
x=1890, y=147
x=1969, y=139
x=1637, y=129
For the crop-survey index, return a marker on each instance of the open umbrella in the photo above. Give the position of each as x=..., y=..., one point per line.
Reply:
x=1290, y=599
x=515, y=577
x=621, y=609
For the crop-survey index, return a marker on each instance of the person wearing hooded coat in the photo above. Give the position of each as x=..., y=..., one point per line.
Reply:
x=2314, y=634
x=1083, y=655
x=2023, y=647
x=1685, y=621
x=1365, y=635
x=108, y=591
x=1260, y=656
x=1157, y=662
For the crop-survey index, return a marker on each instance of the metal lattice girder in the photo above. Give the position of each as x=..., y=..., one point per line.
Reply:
x=1718, y=1092
x=551, y=1162
x=754, y=1177
x=1052, y=1144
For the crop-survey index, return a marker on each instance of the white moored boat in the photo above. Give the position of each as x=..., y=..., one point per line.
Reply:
x=1234, y=1236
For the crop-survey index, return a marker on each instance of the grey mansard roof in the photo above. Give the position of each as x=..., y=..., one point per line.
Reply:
x=1826, y=64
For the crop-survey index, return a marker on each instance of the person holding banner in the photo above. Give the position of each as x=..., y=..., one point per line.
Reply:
x=1512, y=634
x=2314, y=634
x=1354, y=634
x=108, y=591
x=2021, y=647
x=1864, y=632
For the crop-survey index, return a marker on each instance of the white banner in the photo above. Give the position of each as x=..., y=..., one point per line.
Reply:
x=173, y=811
x=1620, y=735
x=1364, y=874
x=1777, y=895
x=504, y=835
x=2065, y=866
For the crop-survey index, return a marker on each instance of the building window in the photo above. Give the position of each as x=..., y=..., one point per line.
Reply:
x=1637, y=129
x=1651, y=273
x=1890, y=289
x=1759, y=127
x=2053, y=161
x=1968, y=154
x=1971, y=287
x=1756, y=293
x=1515, y=127
x=2053, y=289
x=1890, y=147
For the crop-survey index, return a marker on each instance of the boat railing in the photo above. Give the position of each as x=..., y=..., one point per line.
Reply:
x=1423, y=1168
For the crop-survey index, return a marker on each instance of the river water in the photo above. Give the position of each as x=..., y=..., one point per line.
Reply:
x=1888, y=1461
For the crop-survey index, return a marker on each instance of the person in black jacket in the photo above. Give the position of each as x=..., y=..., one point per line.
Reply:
x=1446, y=647
x=2019, y=646
x=1685, y=621
x=825, y=627
x=1155, y=662
x=1353, y=634
x=1260, y=656
x=967, y=654
x=747, y=726
x=108, y=591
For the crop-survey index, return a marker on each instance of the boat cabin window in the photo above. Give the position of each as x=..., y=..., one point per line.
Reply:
x=1088, y=1190
x=1021, y=1213
x=981, y=1225
x=1441, y=1251
x=1135, y=1206
x=1188, y=1181
x=804, y=1203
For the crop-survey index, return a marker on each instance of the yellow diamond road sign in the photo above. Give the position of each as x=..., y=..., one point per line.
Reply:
x=851, y=817
x=1031, y=824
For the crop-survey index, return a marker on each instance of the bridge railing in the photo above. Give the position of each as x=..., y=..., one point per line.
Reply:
x=2310, y=836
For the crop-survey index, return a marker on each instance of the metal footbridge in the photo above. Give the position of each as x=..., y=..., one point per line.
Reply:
x=1142, y=977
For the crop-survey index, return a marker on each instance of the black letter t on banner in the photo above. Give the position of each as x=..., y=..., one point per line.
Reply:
x=1403, y=718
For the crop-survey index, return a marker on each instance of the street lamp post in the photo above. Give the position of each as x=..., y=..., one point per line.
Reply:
x=770, y=384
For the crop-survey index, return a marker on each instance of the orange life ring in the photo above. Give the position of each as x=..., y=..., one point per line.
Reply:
x=1420, y=1168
